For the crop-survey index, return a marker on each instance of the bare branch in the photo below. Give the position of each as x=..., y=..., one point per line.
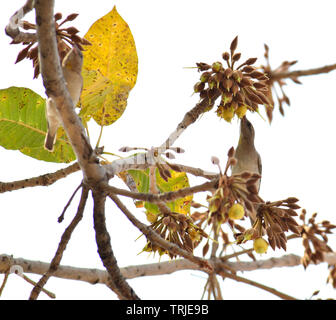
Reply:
x=256, y=284
x=98, y=276
x=12, y=29
x=54, y=83
x=119, y=285
x=168, y=196
x=300, y=73
x=198, y=172
x=62, y=246
x=43, y=180
x=61, y=217
x=189, y=118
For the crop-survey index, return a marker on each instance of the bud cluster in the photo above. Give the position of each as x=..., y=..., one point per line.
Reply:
x=233, y=199
x=240, y=89
x=63, y=36
x=315, y=239
x=277, y=218
x=176, y=228
x=281, y=96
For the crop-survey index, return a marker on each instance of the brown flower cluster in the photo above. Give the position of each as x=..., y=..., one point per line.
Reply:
x=281, y=97
x=233, y=199
x=241, y=89
x=276, y=218
x=176, y=228
x=314, y=239
x=64, y=35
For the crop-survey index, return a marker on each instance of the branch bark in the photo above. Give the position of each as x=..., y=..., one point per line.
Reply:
x=12, y=28
x=168, y=196
x=98, y=276
x=121, y=287
x=42, y=180
x=54, y=84
x=300, y=73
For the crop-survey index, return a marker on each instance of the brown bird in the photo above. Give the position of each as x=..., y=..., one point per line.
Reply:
x=72, y=69
x=248, y=159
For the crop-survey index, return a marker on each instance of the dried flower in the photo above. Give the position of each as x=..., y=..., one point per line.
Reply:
x=283, y=98
x=176, y=228
x=240, y=89
x=64, y=37
x=276, y=218
x=314, y=239
x=233, y=199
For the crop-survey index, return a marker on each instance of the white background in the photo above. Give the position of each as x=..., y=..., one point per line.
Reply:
x=298, y=150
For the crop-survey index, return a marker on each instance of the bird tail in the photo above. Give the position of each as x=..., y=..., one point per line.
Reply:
x=49, y=141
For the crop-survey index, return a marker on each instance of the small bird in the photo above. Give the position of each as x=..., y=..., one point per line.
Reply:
x=248, y=159
x=72, y=69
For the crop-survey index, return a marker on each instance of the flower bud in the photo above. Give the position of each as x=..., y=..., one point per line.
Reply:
x=217, y=66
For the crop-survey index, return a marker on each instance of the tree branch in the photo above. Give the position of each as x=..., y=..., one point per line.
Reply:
x=12, y=28
x=54, y=83
x=299, y=73
x=95, y=276
x=43, y=180
x=168, y=196
x=62, y=246
x=189, y=118
x=279, y=294
x=121, y=287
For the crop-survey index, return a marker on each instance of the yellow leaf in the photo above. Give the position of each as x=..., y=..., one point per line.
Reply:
x=110, y=69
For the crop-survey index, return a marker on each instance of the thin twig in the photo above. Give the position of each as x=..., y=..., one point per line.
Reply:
x=62, y=245
x=236, y=254
x=168, y=196
x=256, y=284
x=4, y=282
x=32, y=282
x=300, y=73
x=61, y=217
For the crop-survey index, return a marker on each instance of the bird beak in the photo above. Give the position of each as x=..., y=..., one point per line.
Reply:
x=242, y=122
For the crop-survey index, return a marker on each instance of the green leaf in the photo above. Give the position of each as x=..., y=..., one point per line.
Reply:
x=23, y=126
x=177, y=181
x=110, y=69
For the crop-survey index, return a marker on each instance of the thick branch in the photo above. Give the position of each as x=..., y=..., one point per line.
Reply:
x=43, y=180
x=55, y=87
x=95, y=276
x=121, y=287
